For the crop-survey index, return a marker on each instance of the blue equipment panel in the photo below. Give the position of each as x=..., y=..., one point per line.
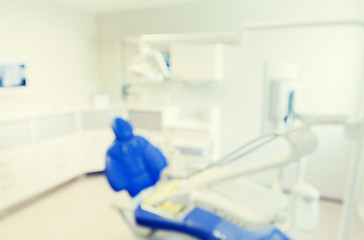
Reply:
x=205, y=225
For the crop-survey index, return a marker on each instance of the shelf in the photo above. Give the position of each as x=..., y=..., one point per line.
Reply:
x=223, y=38
x=189, y=125
x=173, y=83
x=160, y=39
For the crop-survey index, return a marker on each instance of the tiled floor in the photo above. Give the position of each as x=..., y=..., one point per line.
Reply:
x=82, y=210
x=329, y=225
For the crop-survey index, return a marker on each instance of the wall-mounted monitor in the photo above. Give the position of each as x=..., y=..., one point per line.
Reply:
x=12, y=75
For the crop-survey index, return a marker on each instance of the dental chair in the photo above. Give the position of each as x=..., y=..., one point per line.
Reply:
x=187, y=208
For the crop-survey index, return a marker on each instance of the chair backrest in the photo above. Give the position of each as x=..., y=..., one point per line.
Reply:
x=132, y=163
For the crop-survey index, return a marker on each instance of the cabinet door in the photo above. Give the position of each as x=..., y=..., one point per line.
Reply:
x=75, y=156
x=18, y=179
x=197, y=62
x=97, y=136
x=95, y=147
x=61, y=158
x=7, y=179
x=30, y=171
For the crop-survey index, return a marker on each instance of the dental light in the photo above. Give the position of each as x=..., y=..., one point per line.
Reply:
x=150, y=65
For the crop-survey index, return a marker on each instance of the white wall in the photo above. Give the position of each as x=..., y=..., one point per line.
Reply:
x=206, y=16
x=222, y=15
x=329, y=61
x=241, y=92
x=58, y=45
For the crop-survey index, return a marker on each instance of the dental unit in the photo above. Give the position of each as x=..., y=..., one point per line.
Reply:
x=214, y=203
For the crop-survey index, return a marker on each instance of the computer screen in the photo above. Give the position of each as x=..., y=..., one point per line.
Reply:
x=12, y=75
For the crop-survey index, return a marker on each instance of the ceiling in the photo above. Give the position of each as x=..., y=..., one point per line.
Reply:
x=108, y=6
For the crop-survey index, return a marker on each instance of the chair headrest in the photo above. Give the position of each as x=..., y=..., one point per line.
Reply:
x=122, y=129
x=132, y=163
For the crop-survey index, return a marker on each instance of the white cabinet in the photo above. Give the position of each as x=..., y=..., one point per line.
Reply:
x=29, y=170
x=14, y=133
x=53, y=126
x=95, y=144
x=61, y=158
x=194, y=145
x=97, y=135
x=196, y=62
x=7, y=179
x=21, y=171
x=42, y=151
x=183, y=58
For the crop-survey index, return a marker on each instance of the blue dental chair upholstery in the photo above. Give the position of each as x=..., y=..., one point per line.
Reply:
x=133, y=164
